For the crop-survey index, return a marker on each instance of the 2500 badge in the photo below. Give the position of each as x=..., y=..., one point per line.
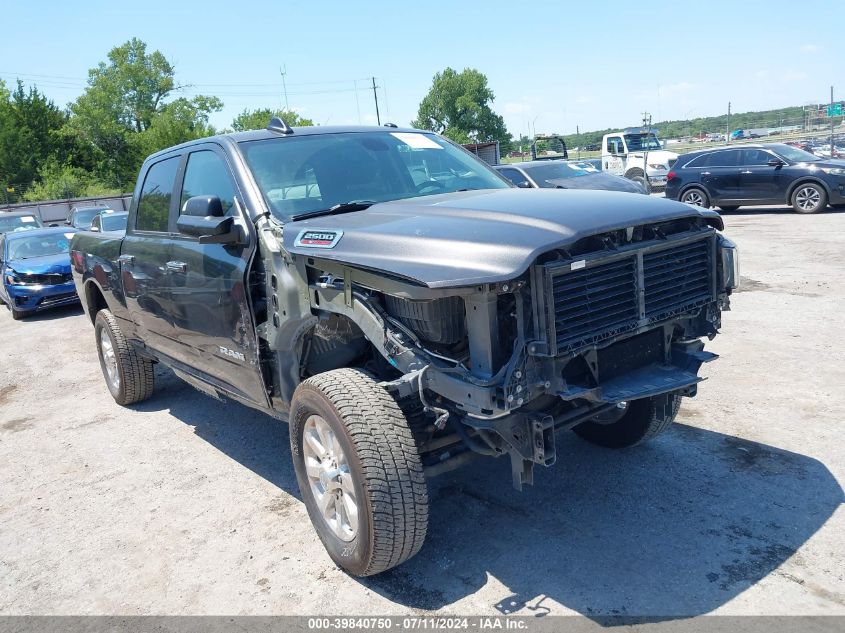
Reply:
x=313, y=238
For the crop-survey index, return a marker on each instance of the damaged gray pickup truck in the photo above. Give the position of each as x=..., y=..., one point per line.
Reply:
x=403, y=308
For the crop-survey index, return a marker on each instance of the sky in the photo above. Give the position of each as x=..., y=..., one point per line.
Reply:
x=553, y=66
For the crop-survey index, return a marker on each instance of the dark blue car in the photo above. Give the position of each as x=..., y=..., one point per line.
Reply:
x=35, y=269
x=773, y=173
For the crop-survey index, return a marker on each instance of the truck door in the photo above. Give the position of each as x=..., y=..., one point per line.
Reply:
x=210, y=307
x=145, y=252
x=614, y=149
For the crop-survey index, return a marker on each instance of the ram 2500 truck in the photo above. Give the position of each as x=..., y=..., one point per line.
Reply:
x=402, y=308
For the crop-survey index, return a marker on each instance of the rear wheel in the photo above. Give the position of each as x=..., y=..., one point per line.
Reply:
x=730, y=208
x=632, y=423
x=809, y=198
x=359, y=471
x=696, y=196
x=129, y=377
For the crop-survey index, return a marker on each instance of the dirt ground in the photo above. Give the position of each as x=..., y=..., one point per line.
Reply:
x=183, y=505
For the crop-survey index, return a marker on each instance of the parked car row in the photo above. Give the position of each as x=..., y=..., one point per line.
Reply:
x=771, y=173
x=35, y=260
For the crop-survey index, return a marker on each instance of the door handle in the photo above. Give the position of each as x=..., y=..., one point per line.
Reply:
x=126, y=259
x=705, y=173
x=177, y=267
x=746, y=172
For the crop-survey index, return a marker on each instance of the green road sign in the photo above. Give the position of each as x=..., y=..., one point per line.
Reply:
x=834, y=109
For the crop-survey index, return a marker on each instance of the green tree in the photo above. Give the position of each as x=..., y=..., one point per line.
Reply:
x=124, y=113
x=179, y=121
x=258, y=119
x=29, y=133
x=58, y=181
x=458, y=106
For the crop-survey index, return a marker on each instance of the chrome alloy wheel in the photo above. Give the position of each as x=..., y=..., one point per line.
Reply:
x=109, y=359
x=807, y=198
x=330, y=478
x=694, y=198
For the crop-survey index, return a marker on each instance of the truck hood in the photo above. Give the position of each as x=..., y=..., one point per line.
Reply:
x=47, y=265
x=474, y=237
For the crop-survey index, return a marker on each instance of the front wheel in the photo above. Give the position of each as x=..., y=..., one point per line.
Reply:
x=19, y=315
x=632, y=423
x=809, y=198
x=358, y=470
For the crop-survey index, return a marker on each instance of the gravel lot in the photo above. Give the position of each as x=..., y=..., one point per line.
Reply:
x=183, y=505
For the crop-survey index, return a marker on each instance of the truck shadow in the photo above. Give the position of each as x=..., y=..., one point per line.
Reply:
x=671, y=529
x=674, y=528
x=251, y=438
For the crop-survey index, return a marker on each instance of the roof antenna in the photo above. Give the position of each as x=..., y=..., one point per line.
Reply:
x=390, y=125
x=278, y=125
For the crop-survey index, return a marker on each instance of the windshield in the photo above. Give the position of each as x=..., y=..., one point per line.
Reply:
x=39, y=245
x=84, y=217
x=310, y=173
x=793, y=154
x=545, y=174
x=114, y=222
x=18, y=223
x=640, y=142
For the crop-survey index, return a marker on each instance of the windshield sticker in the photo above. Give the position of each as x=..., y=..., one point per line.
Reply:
x=312, y=238
x=27, y=218
x=416, y=141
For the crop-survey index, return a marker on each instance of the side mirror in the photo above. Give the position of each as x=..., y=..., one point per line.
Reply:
x=94, y=229
x=524, y=185
x=202, y=217
x=203, y=206
x=776, y=162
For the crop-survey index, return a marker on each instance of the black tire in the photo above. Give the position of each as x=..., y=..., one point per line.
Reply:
x=809, y=197
x=729, y=208
x=18, y=315
x=642, y=420
x=637, y=176
x=136, y=375
x=379, y=452
x=696, y=196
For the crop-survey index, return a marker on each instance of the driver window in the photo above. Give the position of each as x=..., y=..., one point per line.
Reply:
x=614, y=145
x=208, y=175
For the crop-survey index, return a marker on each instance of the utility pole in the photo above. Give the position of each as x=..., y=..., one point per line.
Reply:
x=284, y=71
x=375, y=96
x=728, y=125
x=578, y=136
x=647, y=126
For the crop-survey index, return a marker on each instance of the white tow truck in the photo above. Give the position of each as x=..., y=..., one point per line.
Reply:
x=635, y=153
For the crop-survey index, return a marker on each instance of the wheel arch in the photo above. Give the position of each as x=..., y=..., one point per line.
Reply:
x=94, y=299
x=804, y=180
x=695, y=185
